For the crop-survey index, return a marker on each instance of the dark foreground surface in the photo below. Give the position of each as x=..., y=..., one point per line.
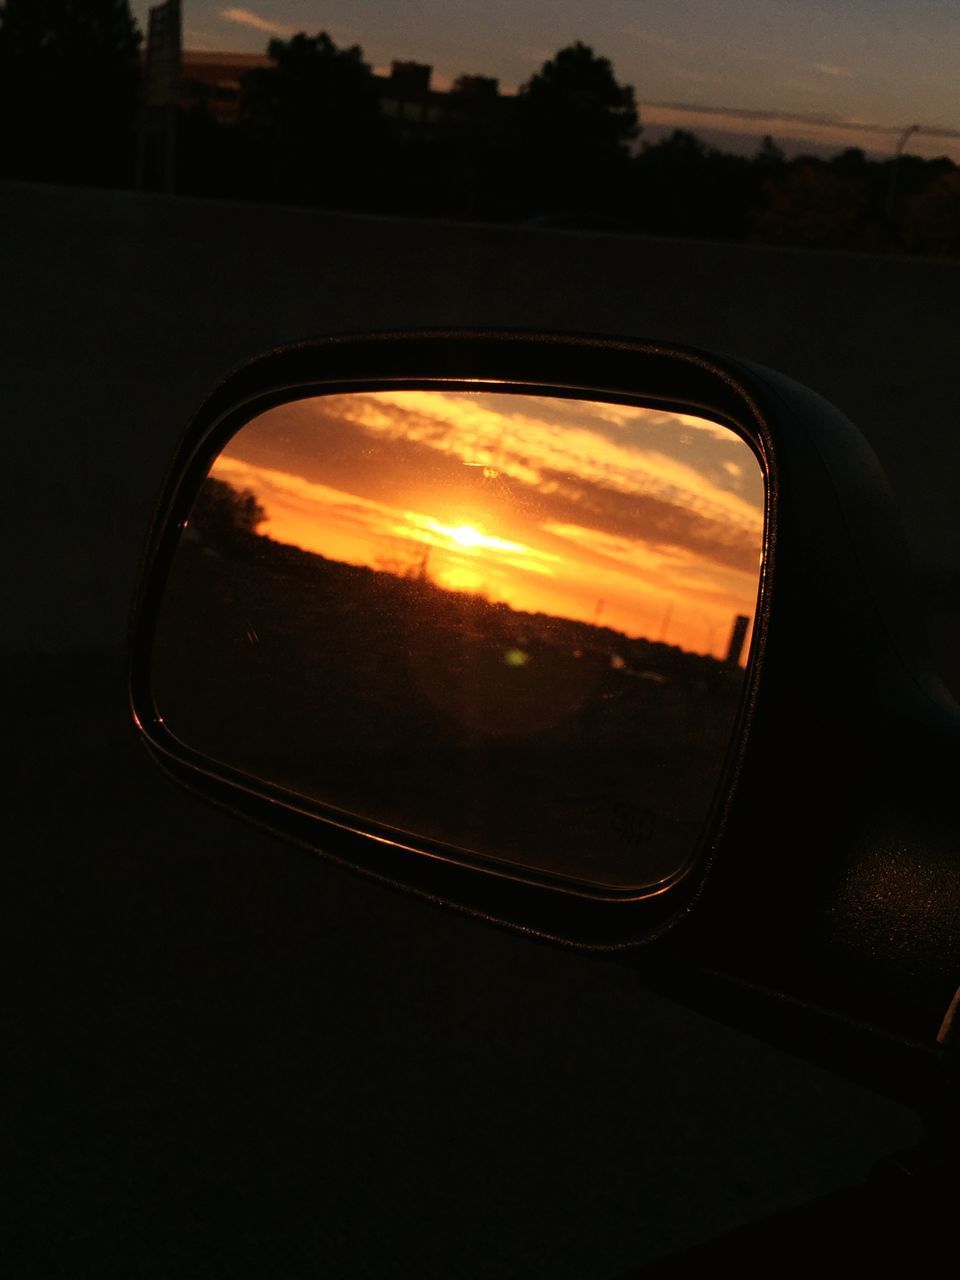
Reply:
x=227, y=1058
x=231, y=1059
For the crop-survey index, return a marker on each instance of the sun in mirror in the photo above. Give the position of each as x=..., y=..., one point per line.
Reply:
x=513, y=625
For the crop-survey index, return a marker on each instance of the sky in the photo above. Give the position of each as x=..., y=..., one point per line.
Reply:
x=646, y=521
x=833, y=73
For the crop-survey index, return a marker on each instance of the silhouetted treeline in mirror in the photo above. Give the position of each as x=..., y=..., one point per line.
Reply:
x=223, y=517
x=314, y=125
x=525, y=736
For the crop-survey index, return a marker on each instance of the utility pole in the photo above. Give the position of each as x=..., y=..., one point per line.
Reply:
x=160, y=109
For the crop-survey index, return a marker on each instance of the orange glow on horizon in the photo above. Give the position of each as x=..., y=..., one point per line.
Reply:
x=550, y=507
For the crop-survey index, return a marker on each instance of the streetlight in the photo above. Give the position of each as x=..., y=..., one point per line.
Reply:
x=894, y=172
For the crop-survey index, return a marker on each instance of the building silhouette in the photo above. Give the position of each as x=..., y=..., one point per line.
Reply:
x=213, y=82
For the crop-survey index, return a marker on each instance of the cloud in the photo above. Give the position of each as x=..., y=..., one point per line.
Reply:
x=797, y=85
x=696, y=76
x=295, y=493
x=510, y=465
x=546, y=504
x=526, y=445
x=654, y=520
x=792, y=117
x=838, y=73
x=245, y=18
x=652, y=38
x=802, y=129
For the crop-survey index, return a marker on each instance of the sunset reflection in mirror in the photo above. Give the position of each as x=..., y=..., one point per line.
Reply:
x=645, y=521
x=513, y=628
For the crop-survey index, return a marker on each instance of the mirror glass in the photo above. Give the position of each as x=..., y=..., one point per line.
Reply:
x=516, y=626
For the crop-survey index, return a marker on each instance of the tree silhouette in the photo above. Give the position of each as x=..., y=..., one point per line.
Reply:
x=314, y=121
x=69, y=80
x=931, y=218
x=680, y=186
x=577, y=91
x=810, y=206
x=574, y=125
x=223, y=516
x=769, y=155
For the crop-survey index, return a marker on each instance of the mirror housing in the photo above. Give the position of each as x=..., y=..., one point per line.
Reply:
x=507, y=629
x=829, y=873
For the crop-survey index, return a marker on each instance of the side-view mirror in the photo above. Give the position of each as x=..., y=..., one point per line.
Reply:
x=605, y=640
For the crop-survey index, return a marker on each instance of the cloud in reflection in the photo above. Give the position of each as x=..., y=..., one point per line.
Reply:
x=556, y=505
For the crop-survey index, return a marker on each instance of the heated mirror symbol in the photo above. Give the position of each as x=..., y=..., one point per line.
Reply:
x=514, y=627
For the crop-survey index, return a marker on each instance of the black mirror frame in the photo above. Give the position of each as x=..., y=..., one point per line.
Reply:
x=555, y=908
x=768, y=900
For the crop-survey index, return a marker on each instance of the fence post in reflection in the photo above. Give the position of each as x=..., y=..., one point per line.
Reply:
x=738, y=636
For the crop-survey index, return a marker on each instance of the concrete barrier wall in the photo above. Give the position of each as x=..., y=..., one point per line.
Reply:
x=120, y=311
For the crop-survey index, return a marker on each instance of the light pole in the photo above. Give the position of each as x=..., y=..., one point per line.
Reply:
x=894, y=172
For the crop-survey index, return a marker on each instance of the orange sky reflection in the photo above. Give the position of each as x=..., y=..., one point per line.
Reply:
x=642, y=520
